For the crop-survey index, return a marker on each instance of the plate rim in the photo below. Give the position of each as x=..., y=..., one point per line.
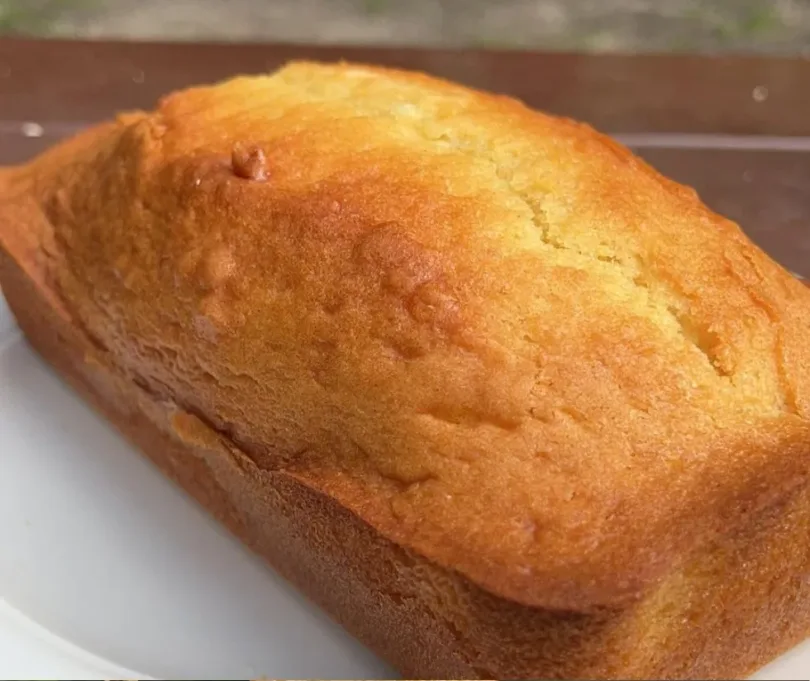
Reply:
x=40, y=637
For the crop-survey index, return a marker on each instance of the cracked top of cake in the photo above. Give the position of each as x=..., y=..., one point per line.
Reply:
x=497, y=336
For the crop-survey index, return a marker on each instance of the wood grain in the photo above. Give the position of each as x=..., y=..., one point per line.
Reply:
x=735, y=128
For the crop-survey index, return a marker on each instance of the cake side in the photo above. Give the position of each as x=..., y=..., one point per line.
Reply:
x=731, y=607
x=496, y=336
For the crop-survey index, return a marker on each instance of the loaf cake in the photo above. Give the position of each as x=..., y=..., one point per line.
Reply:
x=502, y=399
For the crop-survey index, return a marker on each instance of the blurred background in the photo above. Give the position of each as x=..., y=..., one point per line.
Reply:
x=776, y=26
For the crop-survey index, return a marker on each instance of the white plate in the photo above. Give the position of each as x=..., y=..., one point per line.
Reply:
x=104, y=560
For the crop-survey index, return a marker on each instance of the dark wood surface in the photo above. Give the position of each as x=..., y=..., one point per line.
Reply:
x=735, y=128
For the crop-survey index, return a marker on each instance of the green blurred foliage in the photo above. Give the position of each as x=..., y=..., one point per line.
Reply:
x=35, y=16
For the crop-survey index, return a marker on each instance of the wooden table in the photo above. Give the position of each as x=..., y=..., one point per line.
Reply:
x=737, y=129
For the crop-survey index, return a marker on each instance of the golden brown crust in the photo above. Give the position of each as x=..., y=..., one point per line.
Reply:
x=496, y=338
x=733, y=606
